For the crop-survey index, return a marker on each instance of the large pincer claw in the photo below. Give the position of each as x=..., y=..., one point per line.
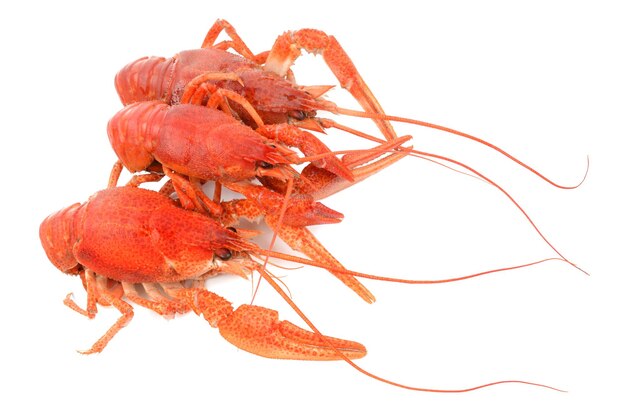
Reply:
x=258, y=330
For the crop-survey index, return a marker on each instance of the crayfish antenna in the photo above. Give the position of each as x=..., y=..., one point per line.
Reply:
x=329, y=123
x=456, y=279
x=313, y=263
x=344, y=357
x=503, y=191
x=439, y=159
x=361, y=114
x=362, y=156
x=281, y=216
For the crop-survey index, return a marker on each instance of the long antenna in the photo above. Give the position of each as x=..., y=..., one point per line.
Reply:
x=310, y=324
x=481, y=141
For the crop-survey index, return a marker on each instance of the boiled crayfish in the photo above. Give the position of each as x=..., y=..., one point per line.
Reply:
x=208, y=115
x=127, y=237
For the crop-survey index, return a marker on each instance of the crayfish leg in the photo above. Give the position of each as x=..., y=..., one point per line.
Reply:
x=89, y=282
x=156, y=301
x=361, y=164
x=99, y=291
x=236, y=43
x=309, y=144
x=320, y=183
x=259, y=331
x=287, y=48
x=302, y=240
x=114, y=176
x=127, y=315
x=190, y=193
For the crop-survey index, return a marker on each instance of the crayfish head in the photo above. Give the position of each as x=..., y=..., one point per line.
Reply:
x=133, y=132
x=276, y=162
x=58, y=233
x=282, y=173
x=236, y=263
x=278, y=100
x=234, y=256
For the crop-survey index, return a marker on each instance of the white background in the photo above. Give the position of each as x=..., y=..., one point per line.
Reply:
x=543, y=80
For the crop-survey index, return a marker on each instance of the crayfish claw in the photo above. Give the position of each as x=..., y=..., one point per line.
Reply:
x=258, y=330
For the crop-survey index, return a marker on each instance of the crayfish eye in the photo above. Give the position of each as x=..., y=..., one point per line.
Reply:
x=264, y=165
x=297, y=115
x=223, y=254
x=234, y=230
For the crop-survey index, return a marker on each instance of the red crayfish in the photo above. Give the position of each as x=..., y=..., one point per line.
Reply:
x=208, y=115
x=126, y=240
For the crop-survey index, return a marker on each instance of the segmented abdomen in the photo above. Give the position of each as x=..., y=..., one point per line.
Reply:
x=58, y=233
x=148, y=78
x=133, y=132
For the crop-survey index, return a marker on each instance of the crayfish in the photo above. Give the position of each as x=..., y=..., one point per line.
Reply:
x=239, y=121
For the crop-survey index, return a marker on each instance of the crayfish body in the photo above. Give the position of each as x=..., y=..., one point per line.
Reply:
x=125, y=238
